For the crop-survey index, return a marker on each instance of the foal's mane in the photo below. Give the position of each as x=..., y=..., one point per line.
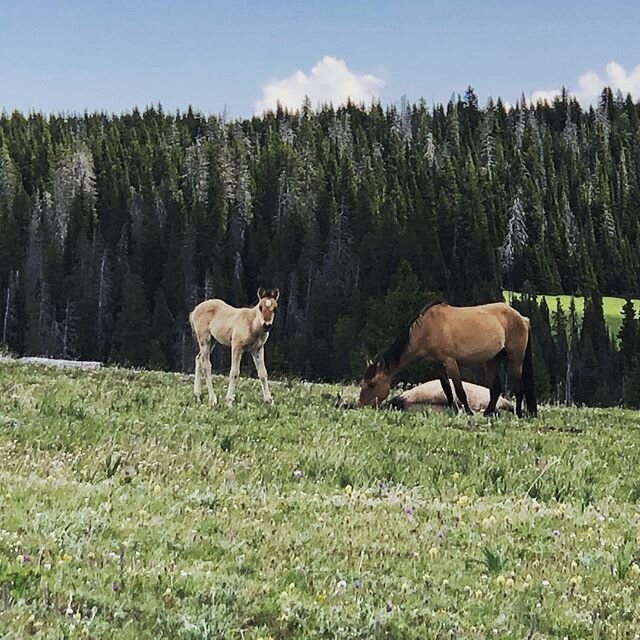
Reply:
x=392, y=355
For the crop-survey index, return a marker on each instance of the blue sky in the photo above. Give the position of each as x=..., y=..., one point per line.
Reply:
x=62, y=55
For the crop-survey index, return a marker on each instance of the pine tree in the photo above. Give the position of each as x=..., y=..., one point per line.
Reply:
x=161, y=355
x=132, y=333
x=629, y=339
x=9, y=327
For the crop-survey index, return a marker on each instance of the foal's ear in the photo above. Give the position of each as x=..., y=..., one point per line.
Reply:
x=276, y=294
x=261, y=293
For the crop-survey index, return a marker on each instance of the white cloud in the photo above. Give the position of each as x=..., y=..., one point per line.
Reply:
x=590, y=85
x=544, y=95
x=330, y=80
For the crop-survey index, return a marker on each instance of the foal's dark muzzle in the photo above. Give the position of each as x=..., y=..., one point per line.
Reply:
x=266, y=327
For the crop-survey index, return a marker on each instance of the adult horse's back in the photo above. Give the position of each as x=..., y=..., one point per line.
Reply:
x=450, y=336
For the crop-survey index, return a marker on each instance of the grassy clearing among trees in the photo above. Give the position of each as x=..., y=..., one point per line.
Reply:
x=129, y=511
x=611, y=306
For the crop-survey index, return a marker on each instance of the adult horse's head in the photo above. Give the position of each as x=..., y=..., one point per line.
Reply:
x=267, y=305
x=375, y=384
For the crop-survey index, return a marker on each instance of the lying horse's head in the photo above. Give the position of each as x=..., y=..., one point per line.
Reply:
x=375, y=384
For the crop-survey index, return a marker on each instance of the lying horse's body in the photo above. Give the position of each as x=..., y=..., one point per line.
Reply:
x=485, y=334
x=242, y=329
x=431, y=395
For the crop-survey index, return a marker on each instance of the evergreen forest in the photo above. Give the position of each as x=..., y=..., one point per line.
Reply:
x=114, y=226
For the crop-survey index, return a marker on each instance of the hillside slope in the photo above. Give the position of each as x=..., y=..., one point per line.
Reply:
x=129, y=510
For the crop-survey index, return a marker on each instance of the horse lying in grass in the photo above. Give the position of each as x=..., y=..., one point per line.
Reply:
x=431, y=395
x=242, y=329
x=485, y=334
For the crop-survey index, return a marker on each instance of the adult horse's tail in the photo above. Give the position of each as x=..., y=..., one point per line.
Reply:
x=528, y=384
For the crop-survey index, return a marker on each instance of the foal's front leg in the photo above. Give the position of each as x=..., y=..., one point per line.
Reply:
x=258, y=360
x=234, y=373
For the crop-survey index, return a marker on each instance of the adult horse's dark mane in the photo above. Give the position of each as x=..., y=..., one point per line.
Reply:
x=392, y=355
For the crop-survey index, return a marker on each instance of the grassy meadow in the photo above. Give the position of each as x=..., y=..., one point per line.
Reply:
x=129, y=511
x=611, y=307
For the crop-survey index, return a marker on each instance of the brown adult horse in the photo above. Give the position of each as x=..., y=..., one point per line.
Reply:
x=484, y=334
x=244, y=329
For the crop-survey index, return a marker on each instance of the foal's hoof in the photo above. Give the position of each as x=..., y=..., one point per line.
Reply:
x=268, y=400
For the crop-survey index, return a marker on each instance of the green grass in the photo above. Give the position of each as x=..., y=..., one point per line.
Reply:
x=611, y=307
x=129, y=511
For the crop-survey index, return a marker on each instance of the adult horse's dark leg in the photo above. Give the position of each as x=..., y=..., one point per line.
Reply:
x=446, y=386
x=454, y=373
x=493, y=381
x=515, y=380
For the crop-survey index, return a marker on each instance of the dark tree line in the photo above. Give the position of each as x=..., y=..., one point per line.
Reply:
x=112, y=227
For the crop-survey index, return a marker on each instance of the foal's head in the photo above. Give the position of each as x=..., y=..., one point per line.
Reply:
x=375, y=385
x=267, y=305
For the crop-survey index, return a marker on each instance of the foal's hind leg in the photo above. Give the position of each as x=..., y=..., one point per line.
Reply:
x=203, y=368
x=454, y=373
x=197, y=378
x=206, y=366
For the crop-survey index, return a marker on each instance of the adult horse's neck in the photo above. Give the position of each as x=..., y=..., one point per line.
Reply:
x=400, y=353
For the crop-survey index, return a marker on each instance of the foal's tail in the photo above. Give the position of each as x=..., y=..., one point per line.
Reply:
x=528, y=384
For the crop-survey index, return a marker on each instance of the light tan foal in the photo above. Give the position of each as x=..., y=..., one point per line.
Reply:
x=242, y=329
